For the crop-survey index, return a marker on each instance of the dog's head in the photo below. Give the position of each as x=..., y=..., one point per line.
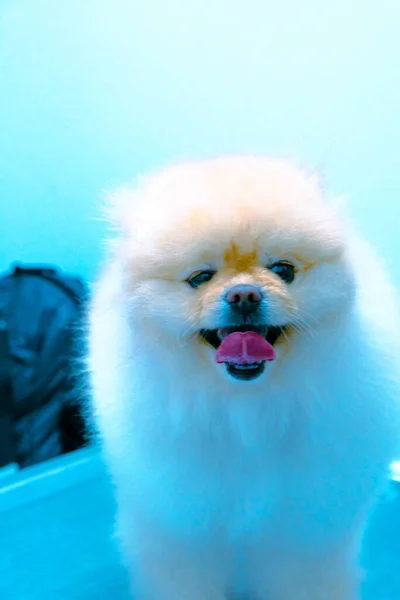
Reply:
x=233, y=259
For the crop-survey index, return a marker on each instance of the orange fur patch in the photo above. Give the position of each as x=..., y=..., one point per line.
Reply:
x=240, y=262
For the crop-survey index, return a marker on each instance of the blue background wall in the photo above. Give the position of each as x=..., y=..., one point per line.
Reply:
x=93, y=92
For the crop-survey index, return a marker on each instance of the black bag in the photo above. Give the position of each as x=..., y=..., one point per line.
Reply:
x=41, y=312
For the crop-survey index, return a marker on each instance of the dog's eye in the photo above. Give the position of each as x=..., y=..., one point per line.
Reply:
x=200, y=277
x=285, y=270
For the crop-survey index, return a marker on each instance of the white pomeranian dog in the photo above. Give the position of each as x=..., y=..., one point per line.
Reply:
x=244, y=350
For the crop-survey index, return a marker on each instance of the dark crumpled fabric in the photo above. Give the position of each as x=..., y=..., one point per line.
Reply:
x=41, y=312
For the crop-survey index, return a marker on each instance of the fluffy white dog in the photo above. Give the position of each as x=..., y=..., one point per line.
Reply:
x=244, y=349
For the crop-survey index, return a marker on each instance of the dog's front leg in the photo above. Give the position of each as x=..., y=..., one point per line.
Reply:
x=163, y=567
x=322, y=576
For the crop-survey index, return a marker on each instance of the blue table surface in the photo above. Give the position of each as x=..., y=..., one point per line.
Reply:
x=56, y=538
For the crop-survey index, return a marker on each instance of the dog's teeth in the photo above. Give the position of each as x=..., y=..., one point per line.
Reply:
x=247, y=367
x=222, y=333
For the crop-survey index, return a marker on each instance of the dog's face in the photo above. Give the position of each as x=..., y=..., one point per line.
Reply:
x=235, y=245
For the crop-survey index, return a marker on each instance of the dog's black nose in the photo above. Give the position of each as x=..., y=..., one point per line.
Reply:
x=244, y=299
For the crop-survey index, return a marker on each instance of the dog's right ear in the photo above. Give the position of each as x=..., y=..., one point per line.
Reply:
x=124, y=207
x=118, y=207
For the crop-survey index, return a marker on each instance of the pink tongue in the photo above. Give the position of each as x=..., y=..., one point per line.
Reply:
x=244, y=348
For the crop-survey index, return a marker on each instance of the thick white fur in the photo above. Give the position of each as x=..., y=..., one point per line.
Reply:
x=230, y=489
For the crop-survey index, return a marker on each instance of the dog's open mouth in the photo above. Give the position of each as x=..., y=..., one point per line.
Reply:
x=244, y=349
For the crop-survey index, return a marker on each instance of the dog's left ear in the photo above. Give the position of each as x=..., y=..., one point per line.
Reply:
x=337, y=202
x=318, y=179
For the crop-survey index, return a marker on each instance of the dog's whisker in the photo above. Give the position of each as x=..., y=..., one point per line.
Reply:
x=302, y=327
